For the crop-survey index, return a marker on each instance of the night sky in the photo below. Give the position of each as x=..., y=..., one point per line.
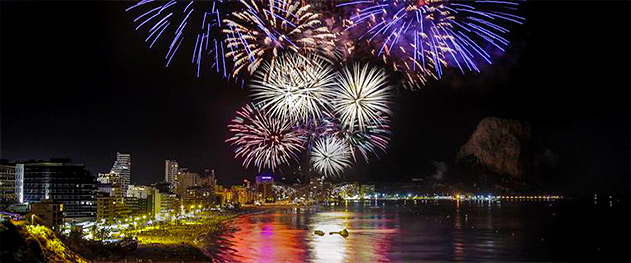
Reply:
x=77, y=81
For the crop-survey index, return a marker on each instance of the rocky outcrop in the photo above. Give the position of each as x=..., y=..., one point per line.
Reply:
x=499, y=146
x=33, y=243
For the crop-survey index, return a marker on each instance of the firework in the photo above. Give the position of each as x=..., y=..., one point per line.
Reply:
x=193, y=23
x=372, y=140
x=330, y=156
x=263, y=140
x=294, y=87
x=264, y=28
x=422, y=37
x=318, y=128
x=361, y=96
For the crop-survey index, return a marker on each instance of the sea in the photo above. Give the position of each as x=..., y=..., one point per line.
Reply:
x=564, y=230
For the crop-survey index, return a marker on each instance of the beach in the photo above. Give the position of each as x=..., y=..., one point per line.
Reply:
x=177, y=241
x=187, y=240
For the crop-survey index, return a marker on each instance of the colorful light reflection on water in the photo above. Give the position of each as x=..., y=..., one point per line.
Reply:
x=426, y=231
x=287, y=235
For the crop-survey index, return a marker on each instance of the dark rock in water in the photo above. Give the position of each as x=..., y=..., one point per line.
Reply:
x=499, y=146
x=319, y=232
x=343, y=233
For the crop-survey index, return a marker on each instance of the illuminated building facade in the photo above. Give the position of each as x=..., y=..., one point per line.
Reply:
x=65, y=182
x=240, y=195
x=136, y=206
x=109, y=209
x=143, y=207
x=138, y=191
x=346, y=190
x=104, y=189
x=199, y=195
x=110, y=183
x=224, y=196
x=171, y=169
x=48, y=212
x=154, y=203
x=7, y=183
x=366, y=190
x=318, y=190
x=264, y=184
x=19, y=183
x=185, y=180
x=112, y=208
x=122, y=171
x=169, y=204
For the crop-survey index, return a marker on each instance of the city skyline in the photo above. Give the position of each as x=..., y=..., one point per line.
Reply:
x=166, y=113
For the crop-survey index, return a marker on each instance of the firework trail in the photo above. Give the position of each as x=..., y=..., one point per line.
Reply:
x=294, y=87
x=330, y=156
x=264, y=28
x=263, y=140
x=361, y=96
x=422, y=37
x=373, y=140
x=181, y=23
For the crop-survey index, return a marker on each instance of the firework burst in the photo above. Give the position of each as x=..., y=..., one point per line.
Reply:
x=194, y=24
x=313, y=130
x=263, y=140
x=330, y=156
x=294, y=87
x=264, y=28
x=421, y=37
x=361, y=96
x=373, y=139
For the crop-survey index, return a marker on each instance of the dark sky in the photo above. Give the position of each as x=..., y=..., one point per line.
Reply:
x=77, y=81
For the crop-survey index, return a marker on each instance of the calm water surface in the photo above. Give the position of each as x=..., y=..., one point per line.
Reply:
x=408, y=231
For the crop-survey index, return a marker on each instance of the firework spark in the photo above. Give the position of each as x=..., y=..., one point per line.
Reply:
x=264, y=28
x=361, y=96
x=422, y=37
x=330, y=156
x=266, y=141
x=373, y=140
x=185, y=23
x=294, y=87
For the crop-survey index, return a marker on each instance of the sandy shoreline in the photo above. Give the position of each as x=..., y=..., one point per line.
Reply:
x=177, y=242
x=161, y=249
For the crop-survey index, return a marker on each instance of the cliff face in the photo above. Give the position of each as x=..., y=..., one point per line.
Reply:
x=499, y=146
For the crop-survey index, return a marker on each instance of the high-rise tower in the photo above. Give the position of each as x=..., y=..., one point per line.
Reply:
x=122, y=169
x=171, y=169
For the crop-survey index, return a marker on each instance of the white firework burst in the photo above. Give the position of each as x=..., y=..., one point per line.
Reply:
x=361, y=96
x=330, y=156
x=294, y=87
